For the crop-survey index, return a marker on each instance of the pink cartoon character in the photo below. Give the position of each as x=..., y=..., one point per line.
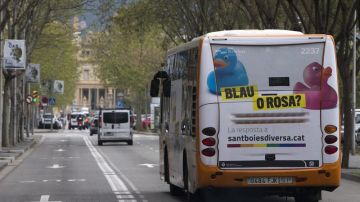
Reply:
x=318, y=93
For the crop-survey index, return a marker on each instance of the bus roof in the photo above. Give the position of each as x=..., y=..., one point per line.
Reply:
x=253, y=32
x=237, y=33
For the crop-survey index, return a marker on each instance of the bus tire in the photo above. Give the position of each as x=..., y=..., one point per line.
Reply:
x=308, y=197
x=191, y=197
x=100, y=143
x=175, y=190
x=130, y=142
x=166, y=167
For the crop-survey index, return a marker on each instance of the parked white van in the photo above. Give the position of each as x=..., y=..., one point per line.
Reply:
x=115, y=126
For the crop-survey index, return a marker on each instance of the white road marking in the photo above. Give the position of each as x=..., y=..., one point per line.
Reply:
x=60, y=150
x=54, y=180
x=124, y=196
x=45, y=198
x=116, y=184
x=149, y=165
x=28, y=181
x=55, y=166
x=127, y=200
x=133, y=187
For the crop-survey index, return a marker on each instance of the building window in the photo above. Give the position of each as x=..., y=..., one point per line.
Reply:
x=86, y=74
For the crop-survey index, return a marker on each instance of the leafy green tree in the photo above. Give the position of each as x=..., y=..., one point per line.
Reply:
x=26, y=19
x=183, y=20
x=56, y=52
x=129, y=53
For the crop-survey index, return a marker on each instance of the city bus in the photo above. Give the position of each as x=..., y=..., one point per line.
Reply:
x=250, y=110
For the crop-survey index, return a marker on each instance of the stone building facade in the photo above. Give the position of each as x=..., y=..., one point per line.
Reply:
x=90, y=91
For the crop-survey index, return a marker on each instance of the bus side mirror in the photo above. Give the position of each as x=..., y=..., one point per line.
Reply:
x=154, y=88
x=167, y=87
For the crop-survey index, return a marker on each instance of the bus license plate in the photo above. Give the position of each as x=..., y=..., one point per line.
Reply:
x=269, y=180
x=109, y=134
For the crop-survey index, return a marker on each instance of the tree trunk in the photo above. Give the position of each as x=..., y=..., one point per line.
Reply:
x=12, y=116
x=6, y=113
x=348, y=115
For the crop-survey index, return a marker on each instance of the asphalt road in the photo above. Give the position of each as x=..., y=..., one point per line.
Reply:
x=69, y=167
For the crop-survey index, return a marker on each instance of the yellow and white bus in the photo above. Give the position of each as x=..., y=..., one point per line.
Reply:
x=251, y=109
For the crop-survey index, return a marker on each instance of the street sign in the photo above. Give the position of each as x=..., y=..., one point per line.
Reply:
x=45, y=86
x=58, y=86
x=51, y=101
x=44, y=100
x=29, y=99
x=32, y=73
x=14, y=54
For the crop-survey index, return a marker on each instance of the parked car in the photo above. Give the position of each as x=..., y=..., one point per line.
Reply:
x=357, y=137
x=47, y=119
x=94, y=126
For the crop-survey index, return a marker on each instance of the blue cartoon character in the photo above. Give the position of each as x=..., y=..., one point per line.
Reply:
x=229, y=71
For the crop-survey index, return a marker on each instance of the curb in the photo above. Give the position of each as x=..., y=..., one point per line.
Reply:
x=3, y=165
x=17, y=154
x=351, y=177
x=146, y=133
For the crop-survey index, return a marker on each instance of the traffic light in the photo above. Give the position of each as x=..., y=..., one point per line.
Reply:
x=35, y=96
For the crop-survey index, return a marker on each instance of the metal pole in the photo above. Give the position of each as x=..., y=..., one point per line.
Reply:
x=28, y=112
x=1, y=78
x=353, y=140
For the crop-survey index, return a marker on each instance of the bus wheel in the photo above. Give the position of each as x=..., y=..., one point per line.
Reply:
x=191, y=197
x=166, y=167
x=175, y=191
x=308, y=197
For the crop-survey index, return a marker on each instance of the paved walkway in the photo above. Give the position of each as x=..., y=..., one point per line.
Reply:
x=353, y=173
x=10, y=154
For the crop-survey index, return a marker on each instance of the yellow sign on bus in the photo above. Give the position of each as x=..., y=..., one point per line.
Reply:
x=279, y=102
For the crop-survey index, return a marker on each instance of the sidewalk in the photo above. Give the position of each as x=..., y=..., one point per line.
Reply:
x=353, y=173
x=10, y=154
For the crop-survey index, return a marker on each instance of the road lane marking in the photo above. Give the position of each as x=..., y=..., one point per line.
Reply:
x=28, y=181
x=126, y=179
x=45, y=198
x=149, y=165
x=60, y=150
x=116, y=184
x=55, y=166
x=53, y=180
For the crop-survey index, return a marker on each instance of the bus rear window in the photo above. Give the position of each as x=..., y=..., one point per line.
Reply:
x=115, y=117
x=268, y=67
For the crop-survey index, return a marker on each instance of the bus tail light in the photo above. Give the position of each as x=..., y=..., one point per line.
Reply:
x=209, y=152
x=100, y=122
x=209, y=141
x=209, y=131
x=330, y=149
x=330, y=129
x=330, y=139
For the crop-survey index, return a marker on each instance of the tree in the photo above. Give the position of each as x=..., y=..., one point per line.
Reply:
x=26, y=19
x=184, y=20
x=129, y=52
x=56, y=52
